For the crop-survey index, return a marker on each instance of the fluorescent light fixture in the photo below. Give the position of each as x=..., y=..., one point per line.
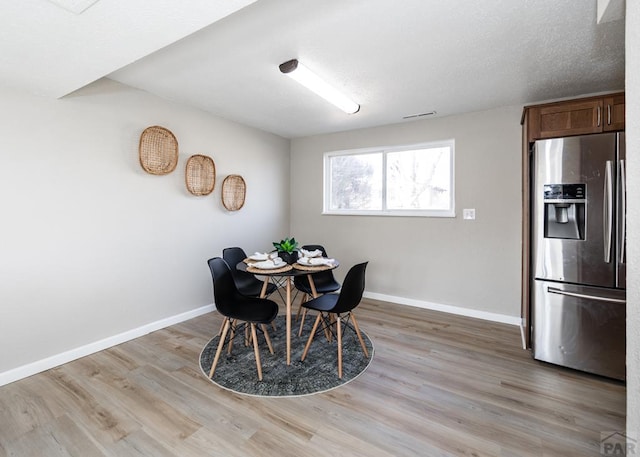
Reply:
x=311, y=81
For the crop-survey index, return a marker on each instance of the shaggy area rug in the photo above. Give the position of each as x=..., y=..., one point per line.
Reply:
x=318, y=373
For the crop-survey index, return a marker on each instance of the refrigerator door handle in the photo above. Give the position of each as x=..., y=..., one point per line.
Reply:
x=623, y=212
x=553, y=290
x=607, y=211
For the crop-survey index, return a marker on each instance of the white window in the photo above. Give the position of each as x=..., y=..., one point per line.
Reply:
x=414, y=180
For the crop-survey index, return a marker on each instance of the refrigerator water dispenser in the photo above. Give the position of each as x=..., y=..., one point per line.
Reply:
x=564, y=214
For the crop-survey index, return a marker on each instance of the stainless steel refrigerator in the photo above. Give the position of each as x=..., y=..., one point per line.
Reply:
x=578, y=253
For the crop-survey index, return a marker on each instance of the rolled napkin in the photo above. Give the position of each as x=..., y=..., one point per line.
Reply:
x=315, y=253
x=269, y=264
x=322, y=261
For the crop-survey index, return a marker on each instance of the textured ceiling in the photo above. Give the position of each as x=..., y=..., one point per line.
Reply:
x=48, y=50
x=395, y=58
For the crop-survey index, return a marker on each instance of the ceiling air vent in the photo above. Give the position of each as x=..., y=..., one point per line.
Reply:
x=415, y=116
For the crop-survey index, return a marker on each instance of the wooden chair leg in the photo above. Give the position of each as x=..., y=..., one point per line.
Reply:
x=339, y=337
x=304, y=317
x=357, y=329
x=311, y=335
x=266, y=337
x=225, y=328
x=256, y=351
x=300, y=307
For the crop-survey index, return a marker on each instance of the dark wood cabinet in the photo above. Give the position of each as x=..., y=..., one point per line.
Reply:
x=575, y=117
x=614, y=113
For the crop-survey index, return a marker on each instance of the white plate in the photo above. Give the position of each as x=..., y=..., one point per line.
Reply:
x=258, y=256
x=268, y=265
x=303, y=260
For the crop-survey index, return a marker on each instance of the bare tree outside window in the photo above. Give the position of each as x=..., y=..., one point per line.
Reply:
x=418, y=179
x=403, y=181
x=356, y=181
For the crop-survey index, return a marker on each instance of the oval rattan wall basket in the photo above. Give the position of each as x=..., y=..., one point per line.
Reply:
x=158, y=150
x=200, y=174
x=234, y=191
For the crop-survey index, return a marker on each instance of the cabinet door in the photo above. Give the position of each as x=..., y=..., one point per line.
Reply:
x=573, y=118
x=614, y=113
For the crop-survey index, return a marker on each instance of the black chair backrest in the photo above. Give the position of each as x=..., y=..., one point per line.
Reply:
x=233, y=256
x=224, y=288
x=352, y=289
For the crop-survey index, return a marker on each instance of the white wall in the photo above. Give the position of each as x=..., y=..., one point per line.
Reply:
x=91, y=246
x=633, y=218
x=473, y=265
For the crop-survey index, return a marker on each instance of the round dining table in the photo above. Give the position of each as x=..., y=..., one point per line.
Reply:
x=286, y=273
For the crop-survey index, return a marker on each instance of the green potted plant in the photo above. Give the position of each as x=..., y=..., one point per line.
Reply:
x=287, y=250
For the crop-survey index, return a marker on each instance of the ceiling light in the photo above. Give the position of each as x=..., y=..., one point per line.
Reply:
x=311, y=81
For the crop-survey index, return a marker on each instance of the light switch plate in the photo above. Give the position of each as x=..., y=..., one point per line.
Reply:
x=469, y=213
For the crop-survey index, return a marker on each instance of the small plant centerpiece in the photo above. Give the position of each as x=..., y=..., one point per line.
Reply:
x=287, y=250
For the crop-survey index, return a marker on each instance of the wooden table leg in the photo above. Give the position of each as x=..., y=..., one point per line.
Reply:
x=263, y=292
x=312, y=284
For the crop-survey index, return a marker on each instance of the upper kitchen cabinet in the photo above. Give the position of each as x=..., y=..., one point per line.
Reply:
x=574, y=117
x=614, y=112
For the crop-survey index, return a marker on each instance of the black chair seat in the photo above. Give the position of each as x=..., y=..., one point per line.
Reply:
x=322, y=287
x=323, y=303
x=256, y=310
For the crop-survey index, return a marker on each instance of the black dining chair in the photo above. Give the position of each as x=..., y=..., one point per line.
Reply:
x=323, y=281
x=246, y=283
x=334, y=310
x=236, y=307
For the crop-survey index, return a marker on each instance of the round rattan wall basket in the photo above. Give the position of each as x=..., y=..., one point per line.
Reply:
x=200, y=174
x=158, y=150
x=234, y=191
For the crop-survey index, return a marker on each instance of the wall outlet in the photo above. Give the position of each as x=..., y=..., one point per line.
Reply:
x=469, y=213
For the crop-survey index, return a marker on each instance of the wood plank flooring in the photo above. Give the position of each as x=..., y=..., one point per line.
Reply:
x=439, y=385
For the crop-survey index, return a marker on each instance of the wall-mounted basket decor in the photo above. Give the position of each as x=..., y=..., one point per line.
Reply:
x=158, y=150
x=200, y=174
x=234, y=191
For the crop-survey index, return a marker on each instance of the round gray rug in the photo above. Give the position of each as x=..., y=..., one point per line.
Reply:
x=318, y=373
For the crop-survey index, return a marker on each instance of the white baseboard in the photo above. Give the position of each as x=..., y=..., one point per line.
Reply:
x=73, y=354
x=495, y=317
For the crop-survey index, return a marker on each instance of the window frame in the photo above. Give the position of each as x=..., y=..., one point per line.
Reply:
x=326, y=180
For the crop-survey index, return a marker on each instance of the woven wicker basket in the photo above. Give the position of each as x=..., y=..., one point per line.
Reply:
x=200, y=174
x=158, y=150
x=234, y=191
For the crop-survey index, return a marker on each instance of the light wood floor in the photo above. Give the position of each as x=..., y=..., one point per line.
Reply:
x=439, y=385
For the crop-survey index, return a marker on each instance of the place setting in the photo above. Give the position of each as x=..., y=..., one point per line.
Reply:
x=260, y=262
x=314, y=261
